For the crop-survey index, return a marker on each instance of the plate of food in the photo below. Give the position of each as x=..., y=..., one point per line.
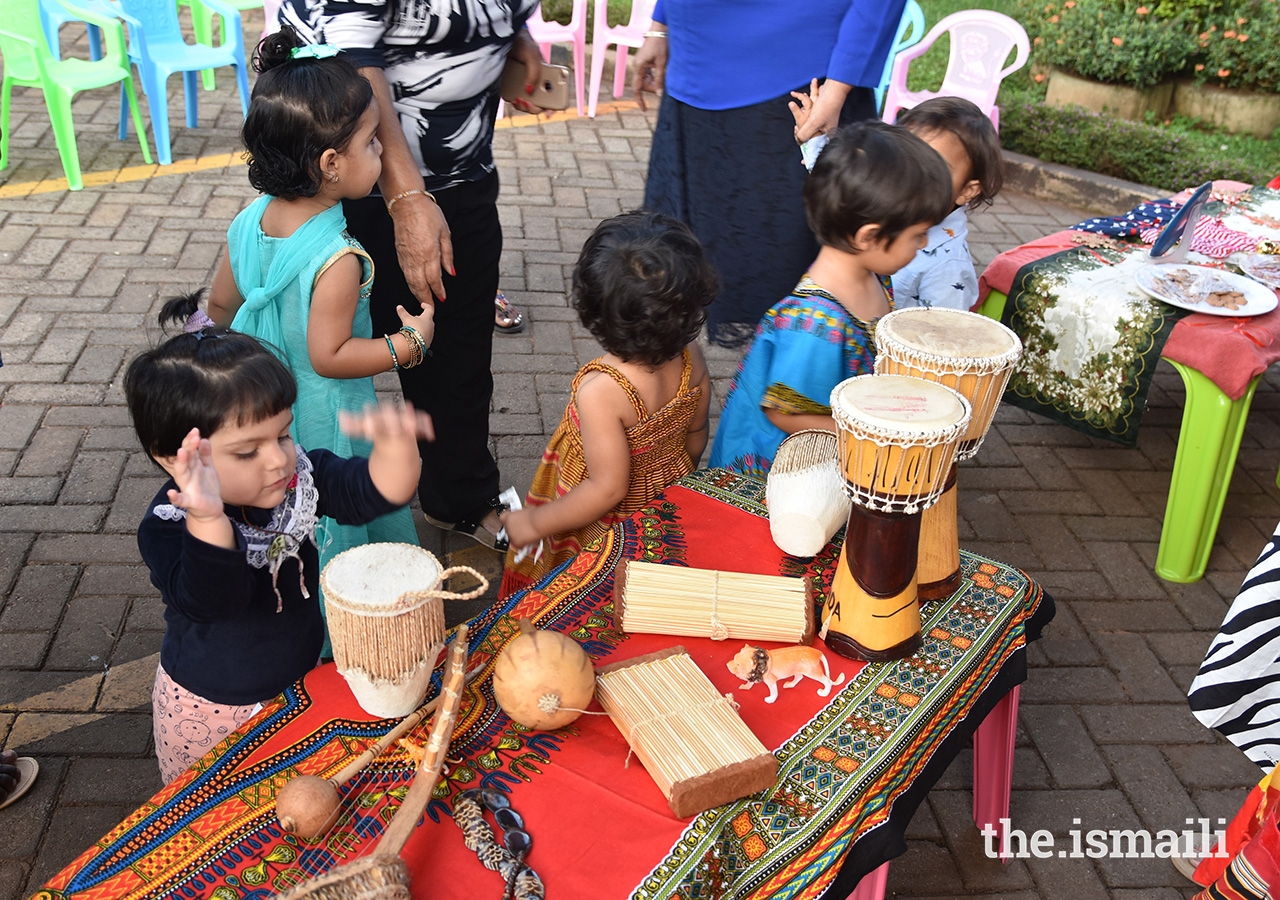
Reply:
x=1205, y=290
x=1264, y=267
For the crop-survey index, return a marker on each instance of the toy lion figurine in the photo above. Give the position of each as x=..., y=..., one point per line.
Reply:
x=755, y=665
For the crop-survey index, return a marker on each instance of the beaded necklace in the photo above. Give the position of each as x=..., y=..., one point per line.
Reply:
x=507, y=858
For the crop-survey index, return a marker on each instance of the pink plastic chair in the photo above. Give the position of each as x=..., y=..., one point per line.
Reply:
x=992, y=783
x=548, y=33
x=980, y=43
x=624, y=36
x=270, y=9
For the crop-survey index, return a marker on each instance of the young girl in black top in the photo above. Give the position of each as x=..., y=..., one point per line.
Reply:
x=230, y=538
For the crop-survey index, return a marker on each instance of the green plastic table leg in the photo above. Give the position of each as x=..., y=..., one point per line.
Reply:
x=1209, y=440
x=1212, y=424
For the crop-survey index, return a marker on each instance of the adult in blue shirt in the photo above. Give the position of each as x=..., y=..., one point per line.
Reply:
x=724, y=157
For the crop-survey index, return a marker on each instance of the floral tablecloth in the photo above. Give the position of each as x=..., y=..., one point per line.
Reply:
x=1092, y=338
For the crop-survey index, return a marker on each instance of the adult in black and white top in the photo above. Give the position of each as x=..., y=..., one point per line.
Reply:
x=435, y=67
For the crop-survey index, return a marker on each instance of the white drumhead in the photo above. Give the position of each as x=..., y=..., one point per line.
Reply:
x=898, y=403
x=375, y=576
x=948, y=333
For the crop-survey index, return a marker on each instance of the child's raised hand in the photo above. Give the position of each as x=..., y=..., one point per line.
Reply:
x=394, y=430
x=388, y=423
x=519, y=525
x=424, y=322
x=199, y=491
x=802, y=107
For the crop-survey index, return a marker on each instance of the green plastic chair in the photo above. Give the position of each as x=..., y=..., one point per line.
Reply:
x=29, y=63
x=1208, y=443
x=202, y=27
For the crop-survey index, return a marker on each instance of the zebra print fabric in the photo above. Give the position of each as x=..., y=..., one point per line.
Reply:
x=1237, y=690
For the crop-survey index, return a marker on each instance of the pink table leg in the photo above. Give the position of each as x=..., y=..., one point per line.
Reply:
x=993, y=764
x=992, y=783
x=872, y=886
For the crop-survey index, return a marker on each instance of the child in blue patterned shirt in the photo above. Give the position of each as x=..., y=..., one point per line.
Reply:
x=875, y=191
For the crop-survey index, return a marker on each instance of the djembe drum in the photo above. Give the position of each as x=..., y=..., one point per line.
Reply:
x=805, y=493
x=974, y=356
x=386, y=622
x=898, y=438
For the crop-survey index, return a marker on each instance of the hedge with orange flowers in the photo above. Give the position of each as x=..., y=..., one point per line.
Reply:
x=1240, y=47
x=1113, y=41
x=1228, y=43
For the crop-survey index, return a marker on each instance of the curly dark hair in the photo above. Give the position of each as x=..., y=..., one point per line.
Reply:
x=642, y=286
x=974, y=131
x=875, y=174
x=202, y=380
x=300, y=108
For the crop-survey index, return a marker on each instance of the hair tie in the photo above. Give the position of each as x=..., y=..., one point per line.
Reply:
x=198, y=321
x=314, y=51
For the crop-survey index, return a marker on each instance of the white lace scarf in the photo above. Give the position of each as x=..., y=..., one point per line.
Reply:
x=292, y=523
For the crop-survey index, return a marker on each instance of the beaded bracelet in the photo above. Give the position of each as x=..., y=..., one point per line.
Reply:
x=417, y=347
x=400, y=196
x=395, y=362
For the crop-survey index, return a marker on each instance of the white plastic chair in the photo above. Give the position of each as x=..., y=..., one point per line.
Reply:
x=623, y=36
x=548, y=33
x=980, y=43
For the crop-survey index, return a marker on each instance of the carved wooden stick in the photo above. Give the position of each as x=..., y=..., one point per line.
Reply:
x=424, y=780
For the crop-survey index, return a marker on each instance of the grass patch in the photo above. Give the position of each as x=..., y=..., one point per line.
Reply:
x=562, y=11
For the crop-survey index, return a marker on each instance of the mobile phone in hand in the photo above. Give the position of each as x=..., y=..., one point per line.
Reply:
x=551, y=91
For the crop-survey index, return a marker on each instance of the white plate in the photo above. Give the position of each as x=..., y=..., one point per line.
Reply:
x=1258, y=298
x=1263, y=267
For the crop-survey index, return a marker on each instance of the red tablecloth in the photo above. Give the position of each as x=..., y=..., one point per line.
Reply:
x=600, y=829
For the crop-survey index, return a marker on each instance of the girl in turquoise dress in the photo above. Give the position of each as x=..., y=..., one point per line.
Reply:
x=293, y=278
x=875, y=192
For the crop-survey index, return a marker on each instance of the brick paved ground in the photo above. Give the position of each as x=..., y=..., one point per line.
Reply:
x=1105, y=733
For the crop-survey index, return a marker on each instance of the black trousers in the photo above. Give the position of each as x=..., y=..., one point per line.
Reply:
x=453, y=384
x=734, y=176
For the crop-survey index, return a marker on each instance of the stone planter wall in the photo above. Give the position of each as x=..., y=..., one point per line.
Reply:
x=1119, y=100
x=1239, y=112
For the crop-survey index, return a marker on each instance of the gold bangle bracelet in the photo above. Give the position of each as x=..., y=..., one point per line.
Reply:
x=400, y=196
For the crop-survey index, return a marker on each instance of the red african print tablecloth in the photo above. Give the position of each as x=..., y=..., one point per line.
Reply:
x=600, y=829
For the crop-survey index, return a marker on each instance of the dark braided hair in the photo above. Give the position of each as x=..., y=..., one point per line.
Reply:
x=300, y=109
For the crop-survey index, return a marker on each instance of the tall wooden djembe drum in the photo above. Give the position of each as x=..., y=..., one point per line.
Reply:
x=898, y=438
x=974, y=356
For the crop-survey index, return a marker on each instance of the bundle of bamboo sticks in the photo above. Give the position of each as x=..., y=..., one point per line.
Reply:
x=657, y=599
x=688, y=735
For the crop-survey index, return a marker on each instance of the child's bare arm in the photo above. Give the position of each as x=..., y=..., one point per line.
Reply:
x=601, y=408
x=333, y=351
x=695, y=442
x=394, y=463
x=224, y=297
x=793, y=422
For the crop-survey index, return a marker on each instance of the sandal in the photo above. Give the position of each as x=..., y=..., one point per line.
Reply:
x=476, y=530
x=505, y=311
x=27, y=768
